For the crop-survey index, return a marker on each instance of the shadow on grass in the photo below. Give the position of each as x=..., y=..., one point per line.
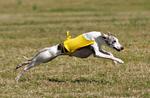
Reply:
x=81, y=80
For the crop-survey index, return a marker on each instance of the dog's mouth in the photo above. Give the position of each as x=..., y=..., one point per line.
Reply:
x=118, y=49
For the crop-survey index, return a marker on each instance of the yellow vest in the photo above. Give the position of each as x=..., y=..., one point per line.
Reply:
x=72, y=44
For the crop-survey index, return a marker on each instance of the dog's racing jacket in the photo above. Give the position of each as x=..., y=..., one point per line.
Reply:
x=72, y=44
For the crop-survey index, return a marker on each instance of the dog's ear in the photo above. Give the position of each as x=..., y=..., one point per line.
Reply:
x=109, y=34
x=104, y=36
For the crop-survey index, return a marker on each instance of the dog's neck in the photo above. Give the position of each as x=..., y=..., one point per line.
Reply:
x=102, y=40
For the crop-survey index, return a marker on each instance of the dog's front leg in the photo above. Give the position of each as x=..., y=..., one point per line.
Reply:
x=105, y=52
x=108, y=53
x=99, y=54
x=103, y=55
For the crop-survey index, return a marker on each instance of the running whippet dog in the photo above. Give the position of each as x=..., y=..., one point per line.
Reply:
x=81, y=46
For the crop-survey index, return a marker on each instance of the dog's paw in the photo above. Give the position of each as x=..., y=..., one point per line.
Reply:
x=115, y=62
x=16, y=79
x=120, y=61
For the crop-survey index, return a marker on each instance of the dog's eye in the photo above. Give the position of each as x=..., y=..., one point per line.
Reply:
x=113, y=41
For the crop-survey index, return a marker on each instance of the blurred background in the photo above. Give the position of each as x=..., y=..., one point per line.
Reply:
x=30, y=25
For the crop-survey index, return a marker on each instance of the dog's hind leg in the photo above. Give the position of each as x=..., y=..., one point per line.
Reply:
x=28, y=61
x=22, y=64
x=32, y=64
x=43, y=56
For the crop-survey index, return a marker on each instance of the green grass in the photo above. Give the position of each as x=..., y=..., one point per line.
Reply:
x=29, y=25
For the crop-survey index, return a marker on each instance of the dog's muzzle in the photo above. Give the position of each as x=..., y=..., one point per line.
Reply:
x=121, y=48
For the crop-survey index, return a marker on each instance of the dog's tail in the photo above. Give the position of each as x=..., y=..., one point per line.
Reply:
x=28, y=59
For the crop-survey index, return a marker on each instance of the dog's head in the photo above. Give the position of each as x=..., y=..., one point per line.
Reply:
x=112, y=42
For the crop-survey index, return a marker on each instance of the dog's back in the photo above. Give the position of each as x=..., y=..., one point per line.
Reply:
x=73, y=44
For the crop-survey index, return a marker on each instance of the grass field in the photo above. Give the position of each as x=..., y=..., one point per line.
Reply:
x=29, y=25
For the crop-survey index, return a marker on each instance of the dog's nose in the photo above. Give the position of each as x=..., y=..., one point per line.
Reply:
x=121, y=48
